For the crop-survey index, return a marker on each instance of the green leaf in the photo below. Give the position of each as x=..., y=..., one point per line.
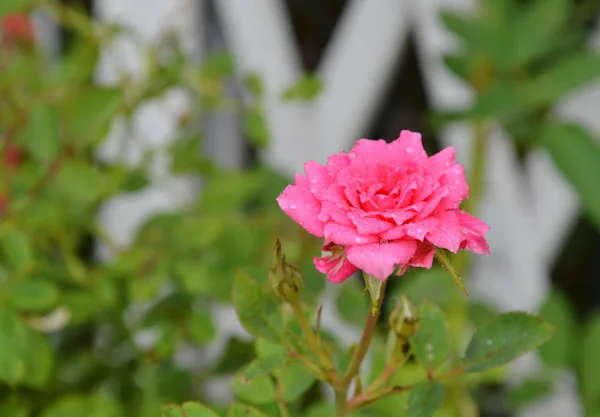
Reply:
x=229, y=191
x=92, y=406
x=256, y=309
x=558, y=312
x=241, y=410
x=237, y=354
x=25, y=356
x=264, y=366
x=295, y=381
x=218, y=65
x=458, y=64
x=535, y=30
x=256, y=391
x=82, y=305
x=503, y=339
x=431, y=342
x=14, y=338
x=425, y=399
x=322, y=409
x=201, y=327
x=256, y=128
x=254, y=84
x=352, y=304
x=79, y=182
x=38, y=357
x=135, y=180
x=570, y=73
x=16, y=248
x=528, y=392
x=187, y=156
x=78, y=64
x=461, y=26
x=14, y=406
x=33, y=294
x=306, y=88
x=189, y=409
x=577, y=155
x=90, y=114
x=589, y=360
x=41, y=135
x=480, y=313
x=12, y=6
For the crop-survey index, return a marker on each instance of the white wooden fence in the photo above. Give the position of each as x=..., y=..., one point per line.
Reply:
x=527, y=227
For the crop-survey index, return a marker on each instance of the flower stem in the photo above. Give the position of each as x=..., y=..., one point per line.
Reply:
x=313, y=342
x=476, y=182
x=281, y=405
x=341, y=404
x=365, y=339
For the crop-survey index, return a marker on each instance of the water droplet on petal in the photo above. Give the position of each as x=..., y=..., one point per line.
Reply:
x=293, y=206
x=409, y=149
x=357, y=239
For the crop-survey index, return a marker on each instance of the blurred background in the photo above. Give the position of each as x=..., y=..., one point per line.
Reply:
x=144, y=142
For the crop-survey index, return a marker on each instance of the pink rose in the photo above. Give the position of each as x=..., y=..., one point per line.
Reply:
x=384, y=206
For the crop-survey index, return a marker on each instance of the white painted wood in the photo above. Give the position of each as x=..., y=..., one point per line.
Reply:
x=356, y=69
x=260, y=35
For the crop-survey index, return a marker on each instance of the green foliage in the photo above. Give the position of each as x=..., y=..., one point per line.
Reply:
x=73, y=326
x=240, y=410
x=577, y=155
x=256, y=308
x=264, y=366
x=503, y=339
x=188, y=409
x=431, y=343
x=425, y=399
x=351, y=303
x=557, y=311
x=589, y=363
x=306, y=88
x=84, y=337
x=522, y=58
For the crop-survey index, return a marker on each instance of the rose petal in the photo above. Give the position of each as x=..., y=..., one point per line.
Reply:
x=458, y=189
x=418, y=230
x=301, y=182
x=423, y=257
x=471, y=223
x=473, y=230
x=337, y=270
x=367, y=225
x=303, y=208
x=447, y=234
x=380, y=259
x=407, y=149
x=335, y=163
x=345, y=235
x=399, y=216
x=433, y=202
x=332, y=212
x=443, y=158
x=318, y=178
x=367, y=152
